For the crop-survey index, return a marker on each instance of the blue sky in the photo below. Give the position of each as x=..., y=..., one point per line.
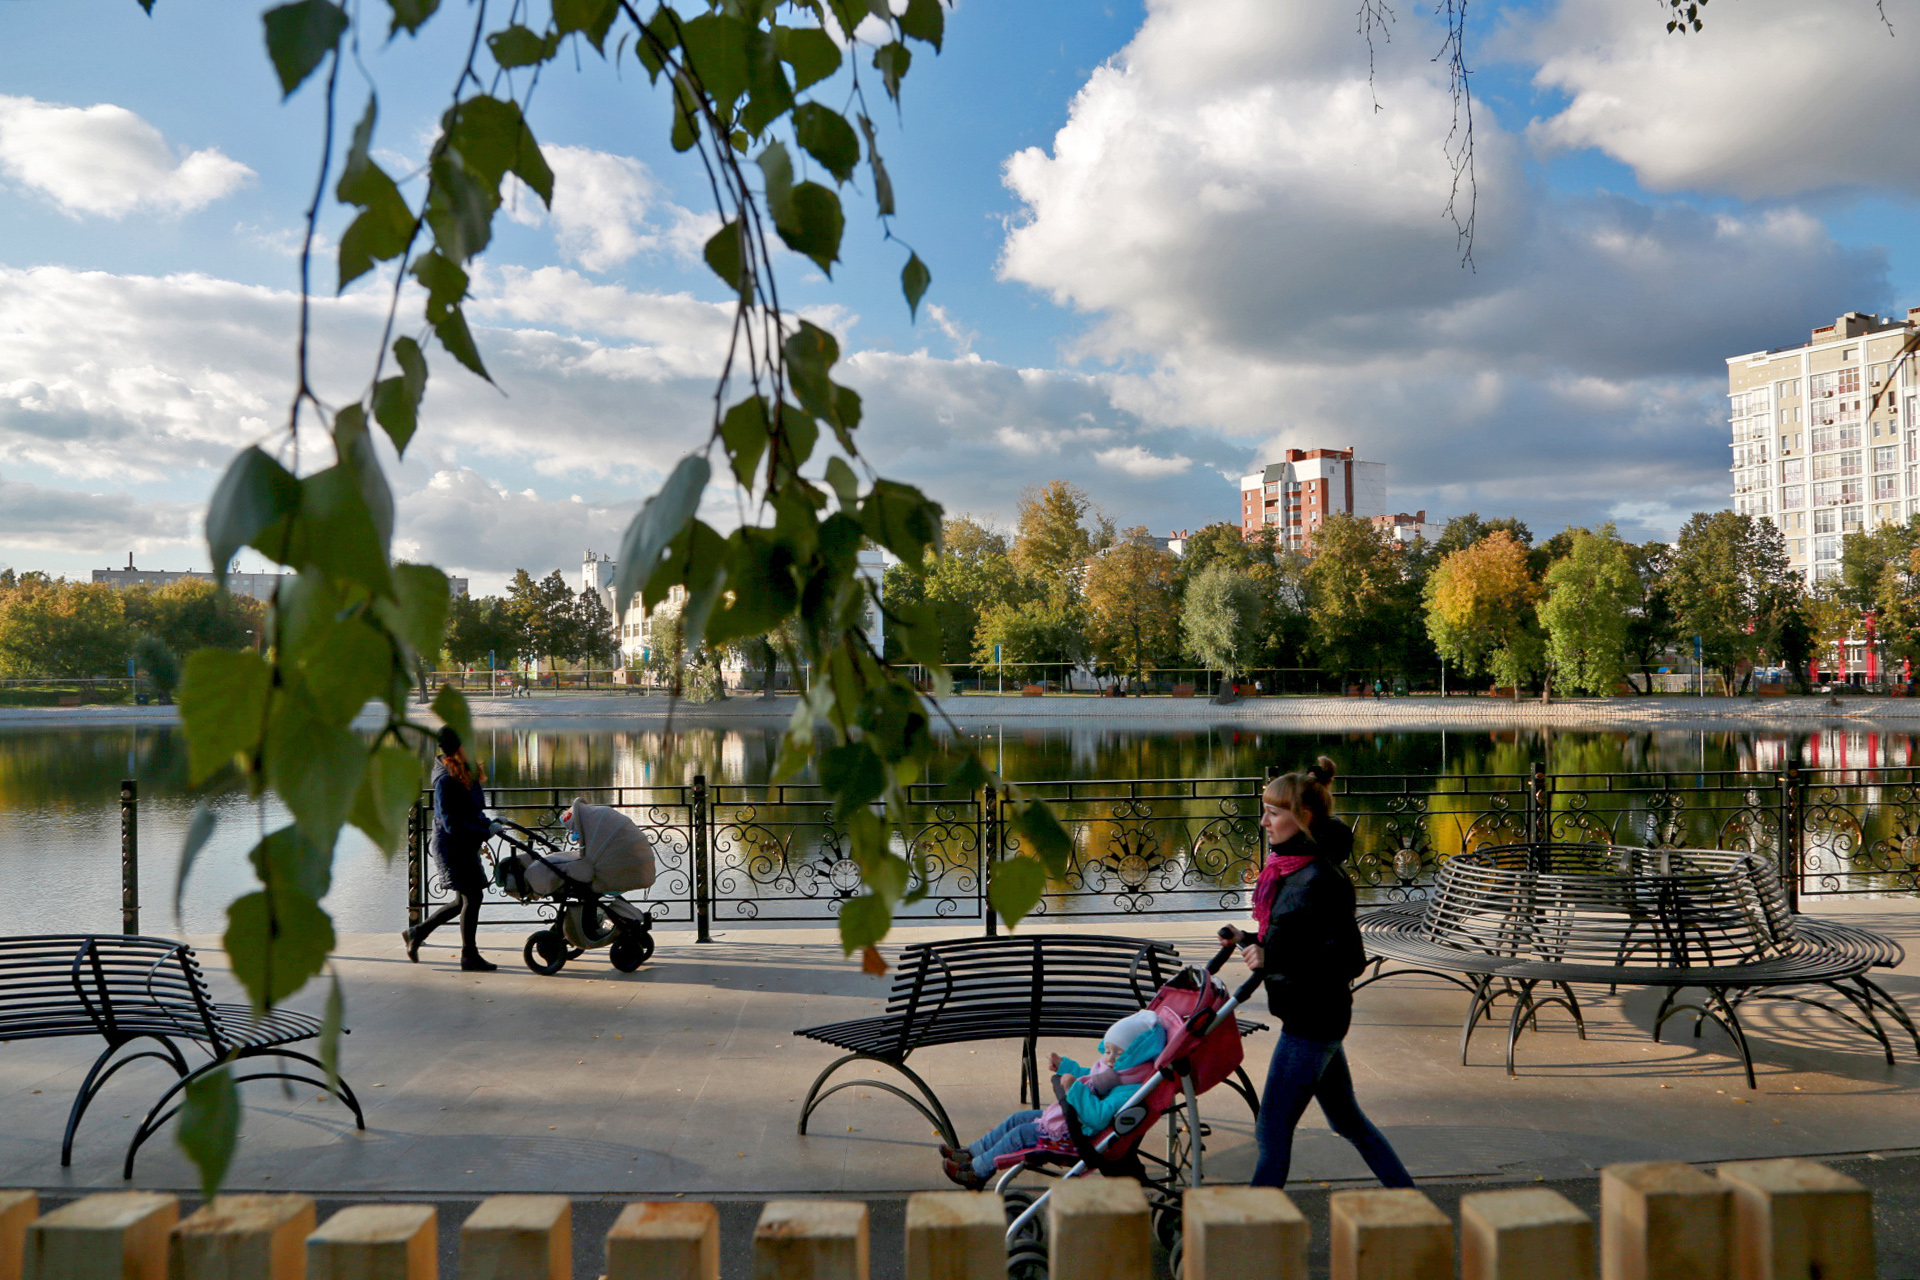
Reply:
x=1167, y=239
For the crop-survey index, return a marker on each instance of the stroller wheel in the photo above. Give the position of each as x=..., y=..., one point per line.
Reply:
x=1027, y=1260
x=1166, y=1224
x=545, y=952
x=631, y=950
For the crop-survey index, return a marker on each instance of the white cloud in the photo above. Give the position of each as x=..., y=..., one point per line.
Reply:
x=607, y=209
x=1775, y=98
x=106, y=160
x=1136, y=461
x=474, y=526
x=1261, y=253
x=46, y=518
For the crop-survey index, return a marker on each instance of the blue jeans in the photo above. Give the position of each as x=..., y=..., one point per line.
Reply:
x=1307, y=1070
x=1016, y=1133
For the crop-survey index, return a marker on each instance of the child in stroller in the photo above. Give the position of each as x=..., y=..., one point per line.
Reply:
x=605, y=855
x=1127, y=1054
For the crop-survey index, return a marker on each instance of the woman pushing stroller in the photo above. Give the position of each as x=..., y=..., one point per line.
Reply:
x=1126, y=1058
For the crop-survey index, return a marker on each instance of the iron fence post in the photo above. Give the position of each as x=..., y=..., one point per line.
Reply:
x=129, y=856
x=416, y=865
x=1792, y=831
x=989, y=850
x=1539, y=805
x=699, y=819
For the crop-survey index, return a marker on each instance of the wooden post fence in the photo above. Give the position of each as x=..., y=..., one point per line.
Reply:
x=1755, y=1220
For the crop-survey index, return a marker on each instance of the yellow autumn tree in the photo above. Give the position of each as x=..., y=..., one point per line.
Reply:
x=1480, y=609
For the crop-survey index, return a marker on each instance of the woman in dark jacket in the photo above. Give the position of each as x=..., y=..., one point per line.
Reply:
x=460, y=825
x=1309, y=948
x=1334, y=837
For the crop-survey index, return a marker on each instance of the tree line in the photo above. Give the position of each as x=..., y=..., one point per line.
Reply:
x=1582, y=611
x=52, y=627
x=537, y=618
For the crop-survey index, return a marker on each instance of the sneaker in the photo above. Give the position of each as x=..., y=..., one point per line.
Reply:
x=474, y=962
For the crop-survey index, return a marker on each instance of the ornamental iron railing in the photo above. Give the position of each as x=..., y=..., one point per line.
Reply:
x=731, y=853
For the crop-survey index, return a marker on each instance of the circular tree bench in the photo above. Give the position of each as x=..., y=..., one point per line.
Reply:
x=1527, y=922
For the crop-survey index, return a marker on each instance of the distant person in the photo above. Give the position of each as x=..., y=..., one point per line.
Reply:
x=1308, y=947
x=460, y=825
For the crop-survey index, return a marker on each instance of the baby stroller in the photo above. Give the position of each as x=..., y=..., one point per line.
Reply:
x=1202, y=1050
x=580, y=885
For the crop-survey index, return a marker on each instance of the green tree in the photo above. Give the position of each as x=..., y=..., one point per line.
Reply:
x=1877, y=579
x=1361, y=597
x=972, y=571
x=193, y=613
x=1037, y=639
x=1285, y=630
x=1590, y=595
x=1133, y=607
x=591, y=639
x=1220, y=618
x=1731, y=585
x=1054, y=538
x=482, y=629
x=1461, y=532
x=158, y=663
x=63, y=629
x=1480, y=609
x=544, y=612
x=1650, y=624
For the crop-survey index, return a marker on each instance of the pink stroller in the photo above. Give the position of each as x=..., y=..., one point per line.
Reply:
x=1203, y=1049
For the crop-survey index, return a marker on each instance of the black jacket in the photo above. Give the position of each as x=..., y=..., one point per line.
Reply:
x=1312, y=947
x=1335, y=839
x=459, y=813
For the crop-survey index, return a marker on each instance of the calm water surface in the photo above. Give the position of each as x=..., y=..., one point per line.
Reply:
x=60, y=826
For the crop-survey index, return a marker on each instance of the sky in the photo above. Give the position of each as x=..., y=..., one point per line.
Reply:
x=1168, y=240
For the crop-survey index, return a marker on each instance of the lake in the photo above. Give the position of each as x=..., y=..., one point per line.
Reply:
x=59, y=792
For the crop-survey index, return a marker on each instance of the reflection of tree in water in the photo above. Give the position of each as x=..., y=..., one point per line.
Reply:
x=81, y=768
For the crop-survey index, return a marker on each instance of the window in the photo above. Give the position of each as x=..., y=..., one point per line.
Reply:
x=1793, y=469
x=1825, y=495
x=1877, y=374
x=1886, y=488
x=1790, y=497
x=1786, y=387
x=1784, y=446
x=1851, y=353
x=1849, y=383
x=1823, y=439
x=1825, y=572
x=1883, y=458
x=1850, y=517
x=1826, y=548
x=1848, y=436
x=1824, y=522
x=1799, y=546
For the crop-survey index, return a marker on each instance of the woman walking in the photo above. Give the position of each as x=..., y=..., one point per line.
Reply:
x=1333, y=837
x=460, y=824
x=1308, y=946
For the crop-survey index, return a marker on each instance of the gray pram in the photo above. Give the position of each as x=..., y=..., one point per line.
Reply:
x=604, y=856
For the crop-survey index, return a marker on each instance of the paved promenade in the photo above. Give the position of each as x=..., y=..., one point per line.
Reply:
x=685, y=1077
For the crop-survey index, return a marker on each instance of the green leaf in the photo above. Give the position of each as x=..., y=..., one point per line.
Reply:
x=518, y=46
x=914, y=279
x=810, y=51
x=299, y=36
x=199, y=829
x=459, y=207
x=396, y=401
x=686, y=114
x=313, y=764
x=760, y=567
x=971, y=775
x=864, y=922
x=409, y=14
x=828, y=138
x=340, y=532
x=691, y=561
x=255, y=495
x=886, y=875
x=1015, y=888
x=769, y=96
x=715, y=47
x=345, y=664
x=493, y=140
x=209, y=1128
x=285, y=858
x=723, y=254
x=591, y=18
x=446, y=285
x=891, y=61
x=385, y=225
x=420, y=613
x=924, y=21
x=332, y=1027
x=1043, y=834
x=798, y=435
x=882, y=184
x=853, y=775
x=223, y=707
x=275, y=945
x=845, y=485
x=902, y=519
x=776, y=170
x=659, y=522
x=451, y=706
x=811, y=353
x=386, y=793
x=702, y=596
x=850, y=13
x=744, y=432
x=813, y=224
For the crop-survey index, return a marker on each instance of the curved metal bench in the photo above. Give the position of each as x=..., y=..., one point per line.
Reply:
x=973, y=989
x=1508, y=920
x=147, y=994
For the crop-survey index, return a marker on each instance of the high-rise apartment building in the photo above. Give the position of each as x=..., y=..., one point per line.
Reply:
x=1823, y=445
x=1296, y=494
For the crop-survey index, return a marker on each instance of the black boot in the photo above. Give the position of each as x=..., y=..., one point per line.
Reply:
x=412, y=944
x=474, y=962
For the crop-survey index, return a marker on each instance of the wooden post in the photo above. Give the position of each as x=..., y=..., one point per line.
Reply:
x=17, y=1209
x=376, y=1242
x=1098, y=1230
x=1797, y=1220
x=811, y=1240
x=243, y=1238
x=1236, y=1232
x=656, y=1241
x=1529, y=1233
x=956, y=1235
x=116, y=1235
x=1395, y=1234
x=1663, y=1220
x=518, y=1238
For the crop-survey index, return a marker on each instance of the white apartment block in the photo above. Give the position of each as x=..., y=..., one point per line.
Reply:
x=1823, y=443
x=1296, y=494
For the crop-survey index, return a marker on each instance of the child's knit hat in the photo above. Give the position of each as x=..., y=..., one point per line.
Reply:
x=1123, y=1033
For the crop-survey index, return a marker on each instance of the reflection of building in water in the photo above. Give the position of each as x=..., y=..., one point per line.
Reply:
x=1856, y=749
x=1765, y=754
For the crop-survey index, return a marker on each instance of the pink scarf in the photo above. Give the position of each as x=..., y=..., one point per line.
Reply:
x=1267, y=887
